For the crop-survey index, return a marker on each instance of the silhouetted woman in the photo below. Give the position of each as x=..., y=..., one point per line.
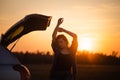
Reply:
x=64, y=63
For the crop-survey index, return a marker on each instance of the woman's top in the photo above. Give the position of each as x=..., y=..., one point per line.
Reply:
x=64, y=62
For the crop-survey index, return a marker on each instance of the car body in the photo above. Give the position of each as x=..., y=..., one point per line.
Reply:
x=10, y=66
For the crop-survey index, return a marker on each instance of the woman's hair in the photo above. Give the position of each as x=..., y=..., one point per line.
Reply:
x=62, y=37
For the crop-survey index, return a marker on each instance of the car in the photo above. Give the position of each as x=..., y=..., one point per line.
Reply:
x=10, y=66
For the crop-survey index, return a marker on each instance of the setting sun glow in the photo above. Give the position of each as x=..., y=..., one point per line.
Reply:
x=85, y=43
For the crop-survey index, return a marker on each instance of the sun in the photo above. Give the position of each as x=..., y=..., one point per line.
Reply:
x=85, y=43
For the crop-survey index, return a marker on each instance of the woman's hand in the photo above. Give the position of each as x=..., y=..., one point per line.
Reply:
x=60, y=20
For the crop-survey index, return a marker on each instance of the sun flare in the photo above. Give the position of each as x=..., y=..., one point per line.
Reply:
x=85, y=43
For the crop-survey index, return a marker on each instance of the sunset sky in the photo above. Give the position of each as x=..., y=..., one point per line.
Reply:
x=96, y=22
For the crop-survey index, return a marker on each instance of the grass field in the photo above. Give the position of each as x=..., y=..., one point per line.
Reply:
x=84, y=72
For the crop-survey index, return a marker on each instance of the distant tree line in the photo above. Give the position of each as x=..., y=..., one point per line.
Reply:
x=98, y=58
x=83, y=57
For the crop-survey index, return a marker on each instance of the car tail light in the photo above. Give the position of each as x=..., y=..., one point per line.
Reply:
x=25, y=74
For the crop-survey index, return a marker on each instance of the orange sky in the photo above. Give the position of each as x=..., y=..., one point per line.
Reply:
x=96, y=22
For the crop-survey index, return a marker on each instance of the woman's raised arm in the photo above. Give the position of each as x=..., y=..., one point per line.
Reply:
x=60, y=20
x=68, y=32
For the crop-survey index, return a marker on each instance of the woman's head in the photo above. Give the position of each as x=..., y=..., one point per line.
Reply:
x=62, y=41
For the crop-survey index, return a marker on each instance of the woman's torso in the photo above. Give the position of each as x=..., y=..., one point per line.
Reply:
x=62, y=62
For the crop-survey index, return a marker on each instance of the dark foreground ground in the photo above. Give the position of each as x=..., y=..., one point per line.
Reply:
x=84, y=72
